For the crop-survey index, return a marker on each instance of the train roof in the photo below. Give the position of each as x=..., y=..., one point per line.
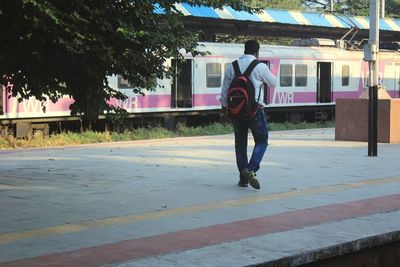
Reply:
x=271, y=51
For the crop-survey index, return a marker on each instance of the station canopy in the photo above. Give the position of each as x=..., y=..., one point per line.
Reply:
x=283, y=23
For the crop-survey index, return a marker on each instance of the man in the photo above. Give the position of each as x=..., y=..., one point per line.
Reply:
x=258, y=124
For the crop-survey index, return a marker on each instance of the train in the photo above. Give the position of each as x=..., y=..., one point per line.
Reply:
x=312, y=74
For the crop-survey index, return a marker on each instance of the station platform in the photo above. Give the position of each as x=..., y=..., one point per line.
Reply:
x=175, y=202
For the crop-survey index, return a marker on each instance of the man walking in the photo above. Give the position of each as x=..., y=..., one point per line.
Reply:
x=258, y=123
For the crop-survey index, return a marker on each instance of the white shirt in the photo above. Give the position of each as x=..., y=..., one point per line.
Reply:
x=261, y=74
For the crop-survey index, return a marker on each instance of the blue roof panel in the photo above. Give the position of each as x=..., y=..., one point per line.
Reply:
x=316, y=19
x=350, y=22
x=158, y=9
x=345, y=21
x=242, y=15
x=200, y=11
x=384, y=26
x=281, y=16
x=397, y=21
x=359, y=25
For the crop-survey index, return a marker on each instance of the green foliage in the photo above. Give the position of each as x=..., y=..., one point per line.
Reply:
x=226, y=38
x=392, y=8
x=279, y=4
x=55, y=48
x=5, y=143
x=353, y=7
x=151, y=133
x=274, y=126
x=90, y=137
x=211, y=129
x=118, y=117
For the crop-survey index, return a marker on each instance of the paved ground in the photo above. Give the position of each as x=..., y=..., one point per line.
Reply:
x=175, y=202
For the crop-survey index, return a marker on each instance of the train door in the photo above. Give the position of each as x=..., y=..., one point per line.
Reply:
x=397, y=80
x=181, y=90
x=324, y=82
x=265, y=86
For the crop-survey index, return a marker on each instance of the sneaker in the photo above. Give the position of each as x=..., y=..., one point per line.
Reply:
x=243, y=182
x=251, y=177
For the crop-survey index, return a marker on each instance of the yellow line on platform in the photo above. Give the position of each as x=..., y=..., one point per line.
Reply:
x=96, y=223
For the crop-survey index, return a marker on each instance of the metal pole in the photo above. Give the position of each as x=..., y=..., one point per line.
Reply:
x=383, y=8
x=373, y=74
x=331, y=5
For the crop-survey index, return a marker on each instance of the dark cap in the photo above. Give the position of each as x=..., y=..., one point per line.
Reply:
x=251, y=47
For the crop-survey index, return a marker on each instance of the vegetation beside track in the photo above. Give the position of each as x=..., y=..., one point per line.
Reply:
x=70, y=138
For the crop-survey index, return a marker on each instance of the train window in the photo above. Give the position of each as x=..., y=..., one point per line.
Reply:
x=300, y=75
x=286, y=76
x=122, y=83
x=213, y=74
x=345, y=75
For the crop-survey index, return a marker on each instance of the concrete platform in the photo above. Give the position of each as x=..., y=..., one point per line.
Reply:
x=175, y=202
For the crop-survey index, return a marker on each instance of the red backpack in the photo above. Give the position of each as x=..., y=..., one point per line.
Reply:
x=241, y=94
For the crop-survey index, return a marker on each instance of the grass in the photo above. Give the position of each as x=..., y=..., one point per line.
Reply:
x=70, y=138
x=298, y=126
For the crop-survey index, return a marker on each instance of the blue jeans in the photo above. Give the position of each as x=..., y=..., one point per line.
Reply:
x=259, y=128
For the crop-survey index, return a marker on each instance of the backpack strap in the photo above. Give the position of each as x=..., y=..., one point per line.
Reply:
x=236, y=68
x=247, y=73
x=251, y=67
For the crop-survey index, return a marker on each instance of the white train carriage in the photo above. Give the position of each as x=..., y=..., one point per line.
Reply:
x=309, y=76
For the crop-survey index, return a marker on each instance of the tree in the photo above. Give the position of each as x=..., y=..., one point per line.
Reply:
x=354, y=7
x=392, y=8
x=281, y=4
x=55, y=48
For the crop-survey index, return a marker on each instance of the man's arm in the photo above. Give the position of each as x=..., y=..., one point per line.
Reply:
x=267, y=76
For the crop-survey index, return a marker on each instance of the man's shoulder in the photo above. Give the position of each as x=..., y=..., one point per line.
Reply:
x=246, y=58
x=262, y=64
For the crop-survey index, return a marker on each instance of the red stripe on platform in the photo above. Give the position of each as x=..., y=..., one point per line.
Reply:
x=211, y=235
